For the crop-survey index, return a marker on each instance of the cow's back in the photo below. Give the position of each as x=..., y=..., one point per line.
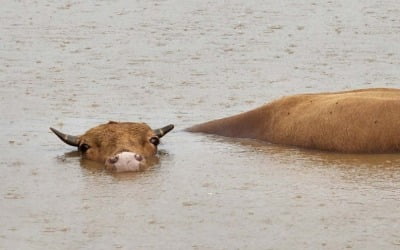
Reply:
x=354, y=121
x=366, y=120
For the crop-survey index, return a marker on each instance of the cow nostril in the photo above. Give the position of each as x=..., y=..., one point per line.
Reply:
x=113, y=159
x=138, y=157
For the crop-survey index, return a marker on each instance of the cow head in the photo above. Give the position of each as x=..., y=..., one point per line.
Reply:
x=121, y=146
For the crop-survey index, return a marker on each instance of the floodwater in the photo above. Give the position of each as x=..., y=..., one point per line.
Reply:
x=76, y=64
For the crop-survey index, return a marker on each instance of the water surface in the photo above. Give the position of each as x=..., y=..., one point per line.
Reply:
x=73, y=65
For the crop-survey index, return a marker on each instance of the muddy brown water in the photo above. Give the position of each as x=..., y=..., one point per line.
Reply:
x=75, y=64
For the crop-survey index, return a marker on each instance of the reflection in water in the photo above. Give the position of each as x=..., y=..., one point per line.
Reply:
x=353, y=167
x=94, y=166
x=97, y=166
x=316, y=157
x=72, y=154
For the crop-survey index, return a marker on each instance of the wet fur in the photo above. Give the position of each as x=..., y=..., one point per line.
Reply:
x=359, y=121
x=114, y=137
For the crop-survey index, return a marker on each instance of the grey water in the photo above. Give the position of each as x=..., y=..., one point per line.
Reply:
x=75, y=64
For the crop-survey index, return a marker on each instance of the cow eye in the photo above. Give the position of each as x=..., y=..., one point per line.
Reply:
x=83, y=147
x=155, y=140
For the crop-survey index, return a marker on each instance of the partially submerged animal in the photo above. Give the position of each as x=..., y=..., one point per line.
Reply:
x=121, y=146
x=358, y=121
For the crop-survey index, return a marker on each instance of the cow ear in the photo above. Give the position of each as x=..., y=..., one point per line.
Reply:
x=112, y=122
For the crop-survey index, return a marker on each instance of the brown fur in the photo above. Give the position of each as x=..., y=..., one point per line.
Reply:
x=359, y=121
x=112, y=138
x=106, y=141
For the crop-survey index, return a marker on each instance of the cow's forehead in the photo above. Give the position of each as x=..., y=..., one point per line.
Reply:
x=115, y=131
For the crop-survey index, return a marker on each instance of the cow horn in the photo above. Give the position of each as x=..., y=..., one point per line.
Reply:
x=68, y=139
x=162, y=131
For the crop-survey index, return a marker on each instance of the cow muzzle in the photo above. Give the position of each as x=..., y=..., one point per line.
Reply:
x=125, y=161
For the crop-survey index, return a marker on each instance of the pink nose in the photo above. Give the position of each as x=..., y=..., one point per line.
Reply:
x=113, y=160
x=125, y=161
x=138, y=157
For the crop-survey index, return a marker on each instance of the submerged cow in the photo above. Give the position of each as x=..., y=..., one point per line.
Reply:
x=121, y=146
x=359, y=121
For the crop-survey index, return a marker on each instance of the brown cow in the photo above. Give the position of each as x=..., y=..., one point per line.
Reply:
x=121, y=146
x=359, y=121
